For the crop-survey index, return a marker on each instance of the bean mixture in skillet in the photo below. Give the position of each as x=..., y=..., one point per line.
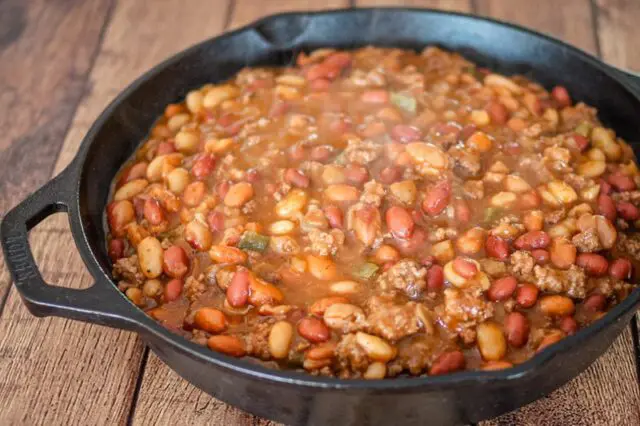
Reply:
x=376, y=213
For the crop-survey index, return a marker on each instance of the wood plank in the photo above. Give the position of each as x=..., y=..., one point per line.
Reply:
x=42, y=79
x=247, y=11
x=456, y=5
x=618, y=31
x=79, y=373
x=607, y=393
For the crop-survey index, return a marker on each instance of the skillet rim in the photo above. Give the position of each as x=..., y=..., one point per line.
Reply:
x=146, y=326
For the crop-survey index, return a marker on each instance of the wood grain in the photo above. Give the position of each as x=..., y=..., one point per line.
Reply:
x=246, y=11
x=617, y=21
x=456, y=5
x=54, y=371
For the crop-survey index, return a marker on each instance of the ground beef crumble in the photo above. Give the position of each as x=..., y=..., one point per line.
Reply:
x=407, y=276
x=572, y=281
x=390, y=320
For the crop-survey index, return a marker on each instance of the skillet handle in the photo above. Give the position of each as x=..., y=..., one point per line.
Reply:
x=632, y=78
x=95, y=304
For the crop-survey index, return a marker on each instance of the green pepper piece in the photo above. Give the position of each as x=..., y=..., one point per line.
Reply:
x=404, y=101
x=366, y=271
x=583, y=129
x=253, y=241
x=492, y=213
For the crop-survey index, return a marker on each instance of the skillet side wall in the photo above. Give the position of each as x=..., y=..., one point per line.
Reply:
x=274, y=41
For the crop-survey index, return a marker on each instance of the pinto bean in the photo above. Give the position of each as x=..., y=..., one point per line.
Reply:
x=297, y=178
x=320, y=306
x=334, y=216
x=215, y=220
x=399, y=222
x=194, y=193
x=314, y=330
x=172, y=290
x=238, y=290
x=627, y=211
x=553, y=337
x=464, y=267
x=280, y=338
x=153, y=212
x=136, y=171
x=228, y=345
x=594, y=264
x=119, y=214
x=389, y=175
x=595, y=303
x=502, y=288
x=376, y=348
x=150, y=255
x=527, y=295
x=238, y=194
x=462, y=211
x=341, y=193
x=447, y=362
x=516, y=327
x=562, y=253
x=620, y=269
x=321, y=153
x=198, y=235
x=496, y=247
x=375, y=97
x=175, y=262
x=532, y=240
x=210, y=320
x=498, y=112
x=437, y=198
x=322, y=268
x=491, y=341
x=607, y=207
x=561, y=96
x=556, y=305
x=203, y=166
x=404, y=134
x=227, y=254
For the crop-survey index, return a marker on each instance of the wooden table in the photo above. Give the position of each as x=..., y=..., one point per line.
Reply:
x=62, y=63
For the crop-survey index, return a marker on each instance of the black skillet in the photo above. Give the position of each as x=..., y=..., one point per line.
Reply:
x=81, y=190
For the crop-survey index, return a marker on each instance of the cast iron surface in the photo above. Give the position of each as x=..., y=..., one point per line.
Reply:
x=294, y=398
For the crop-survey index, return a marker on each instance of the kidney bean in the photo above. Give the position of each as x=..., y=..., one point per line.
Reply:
x=119, y=214
x=314, y=330
x=595, y=303
x=435, y=278
x=297, y=178
x=116, y=249
x=556, y=305
x=215, y=220
x=529, y=200
x=320, y=85
x=334, y=216
x=527, y=295
x=175, y=262
x=621, y=182
x=516, y=328
x=464, y=267
x=253, y=176
x=562, y=253
x=568, y=325
x=389, y=175
x=203, y=166
x=606, y=207
x=605, y=187
x=404, y=134
x=594, y=264
x=620, y=269
x=462, y=211
x=498, y=112
x=541, y=256
x=210, y=320
x=229, y=345
x=172, y=290
x=153, y=212
x=414, y=242
x=375, y=97
x=138, y=206
x=238, y=290
x=532, y=240
x=496, y=247
x=447, y=362
x=561, y=96
x=627, y=211
x=357, y=174
x=502, y=288
x=339, y=59
x=165, y=148
x=399, y=222
x=222, y=188
x=437, y=198
x=320, y=153
x=136, y=171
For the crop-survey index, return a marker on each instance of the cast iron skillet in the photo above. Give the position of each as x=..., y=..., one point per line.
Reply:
x=81, y=191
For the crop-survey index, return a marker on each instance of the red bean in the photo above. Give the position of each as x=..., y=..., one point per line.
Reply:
x=165, y=148
x=296, y=153
x=136, y=171
x=175, y=262
x=527, y=295
x=314, y=330
x=606, y=207
x=568, y=325
x=253, y=176
x=153, y=212
x=516, y=329
x=238, y=290
x=404, y=134
x=297, y=178
x=215, y=220
x=467, y=131
x=532, y=240
x=389, y=175
x=116, y=249
x=339, y=59
x=172, y=290
x=414, y=242
x=222, y=188
x=498, y=112
x=334, y=216
x=320, y=85
x=399, y=222
x=541, y=256
x=464, y=267
x=462, y=211
x=580, y=141
x=437, y=198
x=605, y=187
x=620, y=269
x=502, y=288
x=357, y=174
x=496, y=247
x=595, y=302
x=435, y=278
x=627, y=211
x=375, y=97
x=321, y=153
x=448, y=362
x=621, y=182
x=210, y=320
x=594, y=264
x=203, y=166
x=561, y=96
